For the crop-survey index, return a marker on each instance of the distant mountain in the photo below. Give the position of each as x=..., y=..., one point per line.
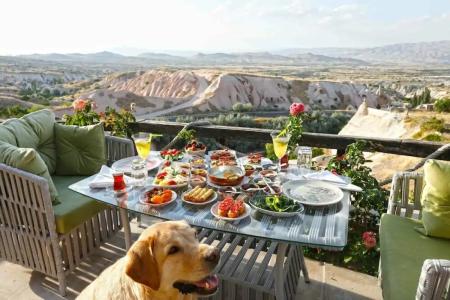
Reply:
x=269, y=58
x=408, y=53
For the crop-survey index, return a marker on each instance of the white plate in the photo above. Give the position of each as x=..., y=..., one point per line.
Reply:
x=277, y=214
x=143, y=196
x=215, y=207
x=212, y=199
x=125, y=165
x=264, y=161
x=312, y=192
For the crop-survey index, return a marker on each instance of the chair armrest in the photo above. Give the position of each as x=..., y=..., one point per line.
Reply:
x=118, y=148
x=400, y=200
x=434, y=281
x=25, y=194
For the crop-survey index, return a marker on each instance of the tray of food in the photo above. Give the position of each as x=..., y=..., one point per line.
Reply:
x=158, y=197
x=172, y=174
x=195, y=148
x=172, y=154
x=226, y=175
x=276, y=205
x=230, y=209
x=199, y=196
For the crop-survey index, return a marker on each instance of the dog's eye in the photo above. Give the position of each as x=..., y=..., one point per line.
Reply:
x=173, y=250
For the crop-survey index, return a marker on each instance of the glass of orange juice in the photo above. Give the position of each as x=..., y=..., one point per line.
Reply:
x=280, y=145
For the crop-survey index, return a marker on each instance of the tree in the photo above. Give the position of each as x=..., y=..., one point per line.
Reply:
x=442, y=105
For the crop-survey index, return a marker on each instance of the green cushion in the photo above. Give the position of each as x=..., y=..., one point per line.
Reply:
x=7, y=135
x=27, y=159
x=34, y=130
x=74, y=208
x=403, y=251
x=80, y=150
x=436, y=199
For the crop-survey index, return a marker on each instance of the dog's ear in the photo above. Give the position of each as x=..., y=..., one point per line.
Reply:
x=141, y=264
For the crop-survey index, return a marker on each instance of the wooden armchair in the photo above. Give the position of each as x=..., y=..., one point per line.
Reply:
x=28, y=234
x=434, y=278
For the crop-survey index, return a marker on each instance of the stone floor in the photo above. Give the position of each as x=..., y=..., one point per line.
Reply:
x=327, y=281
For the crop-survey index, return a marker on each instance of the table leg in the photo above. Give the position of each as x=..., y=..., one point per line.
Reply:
x=303, y=265
x=126, y=227
x=280, y=293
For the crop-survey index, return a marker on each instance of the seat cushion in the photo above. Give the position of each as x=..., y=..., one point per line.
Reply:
x=34, y=130
x=403, y=251
x=436, y=199
x=74, y=208
x=80, y=150
x=27, y=159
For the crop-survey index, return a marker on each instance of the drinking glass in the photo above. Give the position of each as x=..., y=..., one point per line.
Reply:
x=304, y=158
x=143, y=142
x=280, y=145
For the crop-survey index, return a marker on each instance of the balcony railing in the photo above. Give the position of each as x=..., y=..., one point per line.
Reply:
x=330, y=141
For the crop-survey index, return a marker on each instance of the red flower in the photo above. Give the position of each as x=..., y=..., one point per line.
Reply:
x=79, y=104
x=369, y=239
x=334, y=172
x=296, y=109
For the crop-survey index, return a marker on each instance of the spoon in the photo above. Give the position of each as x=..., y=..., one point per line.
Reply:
x=272, y=191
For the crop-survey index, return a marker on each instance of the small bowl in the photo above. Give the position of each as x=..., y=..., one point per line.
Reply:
x=249, y=170
x=197, y=180
x=268, y=174
x=196, y=152
x=199, y=172
x=228, y=191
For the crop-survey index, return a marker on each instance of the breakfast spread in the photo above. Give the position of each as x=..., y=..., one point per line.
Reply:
x=231, y=208
x=199, y=195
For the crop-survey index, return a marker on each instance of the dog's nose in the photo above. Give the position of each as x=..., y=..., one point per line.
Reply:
x=213, y=256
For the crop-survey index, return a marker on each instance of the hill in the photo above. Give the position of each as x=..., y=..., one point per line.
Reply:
x=161, y=92
x=437, y=52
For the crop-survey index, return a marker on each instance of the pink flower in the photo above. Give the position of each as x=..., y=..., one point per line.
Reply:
x=296, y=109
x=79, y=104
x=369, y=239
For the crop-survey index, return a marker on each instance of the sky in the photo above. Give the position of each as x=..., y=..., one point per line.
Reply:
x=132, y=26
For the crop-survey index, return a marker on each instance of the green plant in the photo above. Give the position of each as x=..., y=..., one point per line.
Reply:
x=84, y=115
x=118, y=121
x=115, y=121
x=372, y=201
x=186, y=135
x=433, y=124
x=442, y=105
x=361, y=252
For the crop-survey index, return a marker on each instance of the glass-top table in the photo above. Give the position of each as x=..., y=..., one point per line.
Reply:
x=323, y=227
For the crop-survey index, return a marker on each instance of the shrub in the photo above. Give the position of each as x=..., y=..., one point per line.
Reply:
x=442, y=105
x=433, y=137
x=433, y=124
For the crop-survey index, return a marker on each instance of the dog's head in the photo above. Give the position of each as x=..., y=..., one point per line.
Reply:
x=168, y=255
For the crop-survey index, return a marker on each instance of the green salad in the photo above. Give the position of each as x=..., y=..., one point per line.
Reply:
x=276, y=203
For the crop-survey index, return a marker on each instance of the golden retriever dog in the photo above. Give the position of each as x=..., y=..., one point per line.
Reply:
x=166, y=262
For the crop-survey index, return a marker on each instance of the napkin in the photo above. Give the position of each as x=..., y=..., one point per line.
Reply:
x=105, y=179
x=321, y=175
x=326, y=176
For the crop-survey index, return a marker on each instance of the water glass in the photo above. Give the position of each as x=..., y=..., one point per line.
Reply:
x=138, y=172
x=304, y=157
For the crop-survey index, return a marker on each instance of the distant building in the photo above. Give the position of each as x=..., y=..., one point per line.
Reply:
x=425, y=107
